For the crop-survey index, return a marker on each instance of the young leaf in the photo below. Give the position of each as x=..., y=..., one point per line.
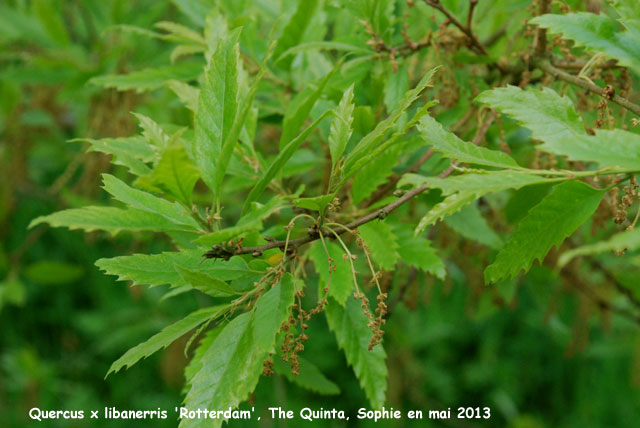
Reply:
x=150, y=78
x=231, y=366
x=553, y=120
x=152, y=132
x=318, y=203
x=549, y=223
x=147, y=202
x=382, y=243
x=187, y=94
x=160, y=269
x=110, y=219
x=217, y=109
x=453, y=147
x=341, y=127
x=349, y=324
x=165, y=337
x=597, y=33
x=628, y=240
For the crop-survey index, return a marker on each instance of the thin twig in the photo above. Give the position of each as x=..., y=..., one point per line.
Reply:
x=475, y=44
x=546, y=66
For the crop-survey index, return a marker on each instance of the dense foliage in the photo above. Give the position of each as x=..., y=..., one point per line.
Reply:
x=440, y=195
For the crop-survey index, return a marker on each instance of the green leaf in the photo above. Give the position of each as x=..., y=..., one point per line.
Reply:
x=597, y=33
x=396, y=86
x=299, y=109
x=294, y=31
x=206, y=283
x=416, y=251
x=554, y=120
x=628, y=240
x=341, y=127
x=471, y=224
x=453, y=147
x=160, y=269
x=373, y=139
x=279, y=162
x=110, y=219
x=450, y=205
x=480, y=184
x=310, y=377
x=318, y=203
x=187, y=94
x=349, y=324
x=144, y=201
x=150, y=78
x=175, y=174
x=217, y=110
x=152, y=132
x=382, y=243
x=165, y=337
x=549, y=223
x=324, y=45
x=340, y=281
x=231, y=366
x=228, y=233
x=131, y=152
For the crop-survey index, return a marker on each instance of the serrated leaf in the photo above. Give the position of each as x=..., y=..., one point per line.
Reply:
x=372, y=139
x=131, y=152
x=294, y=31
x=109, y=219
x=159, y=269
x=340, y=281
x=144, y=201
x=416, y=251
x=150, y=78
x=450, y=205
x=453, y=147
x=231, y=366
x=187, y=94
x=341, y=127
x=217, y=110
x=152, y=132
x=309, y=377
x=349, y=324
x=547, y=224
x=299, y=109
x=165, y=337
x=481, y=184
x=382, y=243
x=628, y=240
x=228, y=233
x=554, y=120
x=175, y=174
x=396, y=86
x=204, y=282
x=597, y=33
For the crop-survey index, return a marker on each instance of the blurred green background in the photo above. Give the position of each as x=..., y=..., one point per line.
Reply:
x=543, y=360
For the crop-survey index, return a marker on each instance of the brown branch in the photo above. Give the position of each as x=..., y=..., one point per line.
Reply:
x=541, y=33
x=546, y=66
x=475, y=44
